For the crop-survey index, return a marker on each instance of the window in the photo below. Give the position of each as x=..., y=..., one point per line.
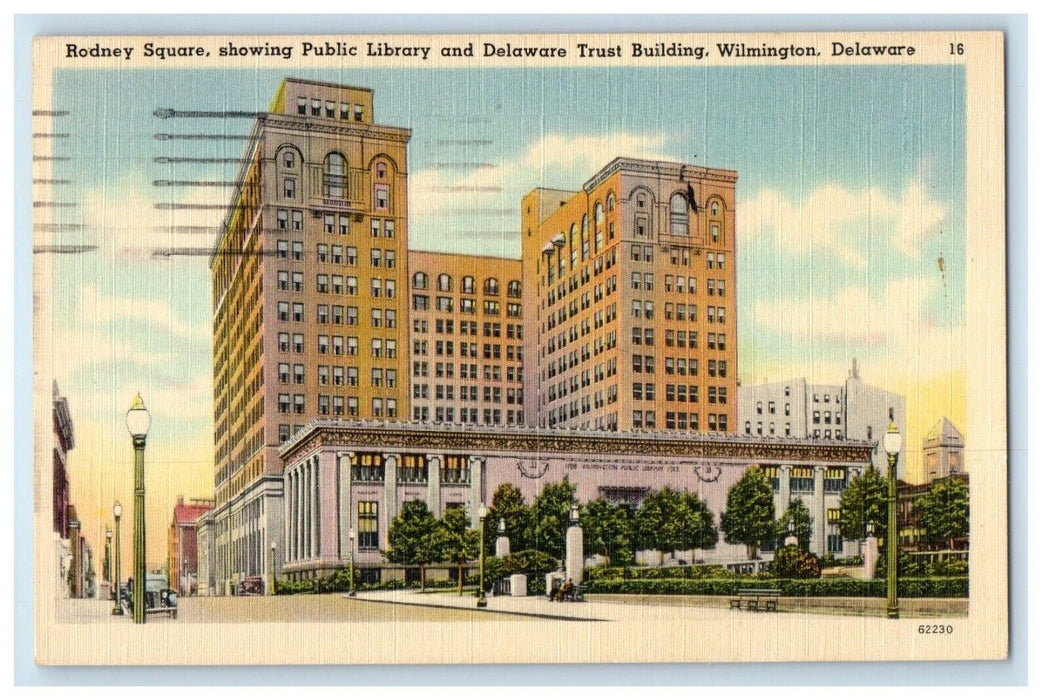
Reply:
x=679, y=215
x=296, y=281
x=468, y=285
x=367, y=523
x=300, y=403
x=315, y=107
x=382, y=197
x=329, y=109
x=302, y=106
x=358, y=116
x=289, y=188
x=283, y=403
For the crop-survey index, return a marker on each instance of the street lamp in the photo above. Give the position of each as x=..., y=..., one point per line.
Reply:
x=893, y=441
x=273, y=567
x=109, y=556
x=118, y=609
x=353, y=543
x=138, y=421
x=482, y=513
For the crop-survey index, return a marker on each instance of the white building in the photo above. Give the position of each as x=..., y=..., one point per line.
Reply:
x=796, y=408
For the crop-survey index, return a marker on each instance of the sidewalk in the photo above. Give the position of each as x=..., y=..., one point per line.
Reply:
x=605, y=608
x=532, y=606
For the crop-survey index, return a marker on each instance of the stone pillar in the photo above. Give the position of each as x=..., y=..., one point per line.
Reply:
x=287, y=515
x=301, y=519
x=502, y=542
x=818, y=546
x=870, y=557
x=476, y=474
x=345, y=515
x=574, y=553
x=390, y=493
x=783, y=497
x=433, y=484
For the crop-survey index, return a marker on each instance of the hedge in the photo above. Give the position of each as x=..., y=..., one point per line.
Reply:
x=933, y=587
x=697, y=571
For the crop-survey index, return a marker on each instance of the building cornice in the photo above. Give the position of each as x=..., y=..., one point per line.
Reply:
x=417, y=436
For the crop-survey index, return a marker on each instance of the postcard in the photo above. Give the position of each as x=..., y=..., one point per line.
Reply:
x=519, y=348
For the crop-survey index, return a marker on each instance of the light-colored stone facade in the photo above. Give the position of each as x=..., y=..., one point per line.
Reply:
x=343, y=476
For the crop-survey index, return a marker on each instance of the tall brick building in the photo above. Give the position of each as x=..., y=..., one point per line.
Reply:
x=309, y=282
x=630, y=293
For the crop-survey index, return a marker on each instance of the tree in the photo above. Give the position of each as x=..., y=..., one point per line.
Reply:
x=458, y=542
x=661, y=519
x=750, y=515
x=606, y=531
x=414, y=538
x=698, y=529
x=508, y=504
x=796, y=520
x=944, y=511
x=549, y=521
x=865, y=500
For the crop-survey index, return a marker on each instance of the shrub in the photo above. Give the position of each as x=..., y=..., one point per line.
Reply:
x=794, y=562
x=928, y=587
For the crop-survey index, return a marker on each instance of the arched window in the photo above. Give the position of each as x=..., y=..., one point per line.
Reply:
x=380, y=170
x=334, y=176
x=420, y=280
x=288, y=159
x=715, y=208
x=514, y=288
x=679, y=215
x=586, y=225
x=611, y=202
x=491, y=286
x=468, y=285
x=599, y=214
x=444, y=282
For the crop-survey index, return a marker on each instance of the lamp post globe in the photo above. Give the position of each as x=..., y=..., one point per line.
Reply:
x=482, y=513
x=893, y=443
x=118, y=608
x=138, y=422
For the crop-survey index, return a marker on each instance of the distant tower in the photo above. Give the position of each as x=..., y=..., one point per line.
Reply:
x=943, y=451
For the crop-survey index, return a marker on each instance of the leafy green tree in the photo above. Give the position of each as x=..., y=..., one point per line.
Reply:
x=508, y=504
x=661, y=519
x=549, y=521
x=414, y=538
x=794, y=562
x=944, y=511
x=458, y=542
x=750, y=515
x=865, y=500
x=606, y=531
x=698, y=530
x=798, y=519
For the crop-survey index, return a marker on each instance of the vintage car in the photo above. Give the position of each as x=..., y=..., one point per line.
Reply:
x=159, y=598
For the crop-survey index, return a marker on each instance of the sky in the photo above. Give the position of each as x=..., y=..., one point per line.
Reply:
x=851, y=189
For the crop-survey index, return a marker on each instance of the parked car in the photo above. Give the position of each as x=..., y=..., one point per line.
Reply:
x=159, y=598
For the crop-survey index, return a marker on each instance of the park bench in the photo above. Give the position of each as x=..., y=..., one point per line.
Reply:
x=755, y=598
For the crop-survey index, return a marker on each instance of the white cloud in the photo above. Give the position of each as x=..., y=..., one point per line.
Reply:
x=122, y=217
x=849, y=223
x=448, y=201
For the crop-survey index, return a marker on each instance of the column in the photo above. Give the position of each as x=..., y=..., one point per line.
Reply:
x=301, y=520
x=783, y=497
x=287, y=515
x=476, y=474
x=390, y=495
x=344, y=500
x=819, y=516
x=433, y=484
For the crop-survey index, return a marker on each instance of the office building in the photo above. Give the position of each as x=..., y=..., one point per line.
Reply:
x=796, y=408
x=309, y=282
x=630, y=297
x=467, y=339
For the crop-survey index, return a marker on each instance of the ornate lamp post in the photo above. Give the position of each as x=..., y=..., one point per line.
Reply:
x=109, y=557
x=118, y=609
x=893, y=441
x=353, y=543
x=138, y=421
x=482, y=513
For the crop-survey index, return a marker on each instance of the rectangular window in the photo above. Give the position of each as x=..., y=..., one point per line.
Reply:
x=367, y=525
